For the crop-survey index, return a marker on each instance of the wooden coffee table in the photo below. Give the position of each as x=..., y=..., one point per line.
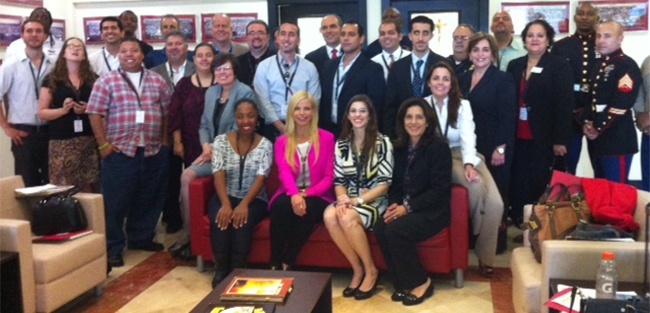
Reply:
x=312, y=292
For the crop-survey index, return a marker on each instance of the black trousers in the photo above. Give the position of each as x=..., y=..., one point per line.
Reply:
x=31, y=158
x=172, y=210
x=531, y=172
x=398, y=242
x=234, y=241
x=289, y=232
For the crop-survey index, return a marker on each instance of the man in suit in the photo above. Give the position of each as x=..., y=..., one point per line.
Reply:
x=390, y=35
x=257, y=33
x=347, y=76
x=168, y=23
x=460, y=57
x=390, y=15
x=509, y=47
x=330, y=28
x=130, y=23
x=406, y=78
x=222, y=36
x=176, y=67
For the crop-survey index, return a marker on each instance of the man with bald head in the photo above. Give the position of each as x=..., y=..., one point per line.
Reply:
x=330, y=28
x=222, y=36
x=390, y=15
x=580, y=50
x=608, y=124
x=509, y=47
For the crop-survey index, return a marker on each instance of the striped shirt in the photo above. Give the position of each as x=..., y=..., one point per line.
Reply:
x=378, y=171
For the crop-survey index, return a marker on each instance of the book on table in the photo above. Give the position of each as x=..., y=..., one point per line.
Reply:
x=243, y=308
x=60, y=237
x=257, y=289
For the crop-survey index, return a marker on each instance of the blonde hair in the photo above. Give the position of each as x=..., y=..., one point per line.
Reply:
x=292, y=133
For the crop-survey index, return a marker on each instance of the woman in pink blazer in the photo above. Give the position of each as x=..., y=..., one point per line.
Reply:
x=305, y=159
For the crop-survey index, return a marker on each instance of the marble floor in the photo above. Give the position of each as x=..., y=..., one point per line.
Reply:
x=156, y=282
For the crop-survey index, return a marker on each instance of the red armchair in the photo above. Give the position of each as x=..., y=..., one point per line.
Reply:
x=443, y=253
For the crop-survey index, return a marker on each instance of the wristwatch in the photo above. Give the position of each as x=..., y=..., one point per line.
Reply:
x=501, y=150
x=360, y=201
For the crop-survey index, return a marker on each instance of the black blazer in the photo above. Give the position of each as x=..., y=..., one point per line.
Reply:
x=494, y=106
x=549, y=97
x=319, y=57
x=429, y=181
x=398, y=88
x=363, y=77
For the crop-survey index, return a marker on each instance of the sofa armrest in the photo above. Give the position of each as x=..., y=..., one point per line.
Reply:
x=16, y=236
x=201, y=191
x=93, y=206
x=642, y=199
x=580, y=259
x=459, y=227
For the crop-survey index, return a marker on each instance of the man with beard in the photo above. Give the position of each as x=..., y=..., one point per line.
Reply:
x=330, y=28
x=222, y=36
x=257, y=33
x=509, y=47
x=460, y=58
x=130, y=23
x=107, y=59
x=168, y=23
x=390, y=35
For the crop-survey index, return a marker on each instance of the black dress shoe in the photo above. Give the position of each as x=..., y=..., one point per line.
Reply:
x=149, y=246
x=349, y=292
x=398, y=296
x=411, y=299
x=115, y=261
x=363, y=295
x=176, y=248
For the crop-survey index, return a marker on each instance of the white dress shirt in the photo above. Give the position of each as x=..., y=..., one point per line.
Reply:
x=103, y=61
x=383, y=58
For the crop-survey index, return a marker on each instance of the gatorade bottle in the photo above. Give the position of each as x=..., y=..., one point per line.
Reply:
x=607, y=278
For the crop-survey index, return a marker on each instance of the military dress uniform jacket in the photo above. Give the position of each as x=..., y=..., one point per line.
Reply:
x=615, y=83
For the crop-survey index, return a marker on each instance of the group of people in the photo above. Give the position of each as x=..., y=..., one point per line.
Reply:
x=362, y=139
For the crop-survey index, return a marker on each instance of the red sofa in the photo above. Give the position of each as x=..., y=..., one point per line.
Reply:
x=443, y=253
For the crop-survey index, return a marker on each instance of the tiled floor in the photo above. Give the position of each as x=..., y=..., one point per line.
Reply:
x=155, y=282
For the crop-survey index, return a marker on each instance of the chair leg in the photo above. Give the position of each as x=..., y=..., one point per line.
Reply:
x=98, y=291
x=200, y=265
x=458, y=278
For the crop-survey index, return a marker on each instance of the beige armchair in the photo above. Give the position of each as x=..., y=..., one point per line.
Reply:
x=573, y=260
x=52, y=274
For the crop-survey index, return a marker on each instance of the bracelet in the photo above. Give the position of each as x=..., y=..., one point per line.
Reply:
x=102, y=147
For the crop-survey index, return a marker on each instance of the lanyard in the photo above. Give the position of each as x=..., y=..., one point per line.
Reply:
x=286, y=75
x=433, y=103
x=242, y=158
x=130, y=83
x=339, y=82
x=359, y=161
x=106, y=59
x=394, y=60
x=198, y=80
x=37, y=76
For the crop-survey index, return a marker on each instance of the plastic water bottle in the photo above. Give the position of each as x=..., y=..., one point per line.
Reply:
x=607, y=278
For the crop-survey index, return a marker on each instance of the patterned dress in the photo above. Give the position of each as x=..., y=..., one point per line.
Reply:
x=350, y=173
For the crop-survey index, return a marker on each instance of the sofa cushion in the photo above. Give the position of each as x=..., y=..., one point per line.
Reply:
x=55, y=260
x=526, y=280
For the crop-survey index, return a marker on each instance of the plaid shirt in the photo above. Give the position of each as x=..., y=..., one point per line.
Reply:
x=113, y=99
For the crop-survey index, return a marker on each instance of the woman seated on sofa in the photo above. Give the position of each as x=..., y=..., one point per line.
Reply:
x=456, y=123
x=418, y=199
x=241, y=160
x=305, y=159
x=363, y=170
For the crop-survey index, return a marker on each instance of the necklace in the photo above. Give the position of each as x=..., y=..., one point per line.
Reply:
x=242, y=158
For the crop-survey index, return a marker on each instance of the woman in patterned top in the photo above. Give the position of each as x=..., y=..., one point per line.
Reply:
x=241, y=160
x=363, y=170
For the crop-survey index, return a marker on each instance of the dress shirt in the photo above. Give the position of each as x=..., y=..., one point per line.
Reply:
x=423, y=69
x=339, y=82
x=103, y=61
x=175, y=75
x=157, y=57
x=270, y=84
x=113, y=98
x=462, y=135
x=51, y=48
x=329, y=51
x=17, y=77
x=513, y=51
x=384, y=59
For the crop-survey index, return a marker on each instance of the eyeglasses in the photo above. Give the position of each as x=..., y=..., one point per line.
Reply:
x=222, y=68
x=258, y=33
x=74, y=47
x=463, y=38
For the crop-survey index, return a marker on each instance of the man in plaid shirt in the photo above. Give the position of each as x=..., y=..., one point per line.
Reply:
x=128, y=114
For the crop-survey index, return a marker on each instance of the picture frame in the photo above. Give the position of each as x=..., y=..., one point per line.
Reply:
x=632, y=14
x=555, y=13
x=150, y=28
x=25, y=3
x=9, y=29
x=239, y=22
x=92, y=30
x=58, y=29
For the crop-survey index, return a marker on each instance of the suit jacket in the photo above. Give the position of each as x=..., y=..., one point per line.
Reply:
x=227, y=122
x=239, y=49
x=161, y=69
x=321, y=170
x=319, y=57
x=398, y=88
x=494, y=106
x=429, y=181
x=363, y=77
x=549, y=98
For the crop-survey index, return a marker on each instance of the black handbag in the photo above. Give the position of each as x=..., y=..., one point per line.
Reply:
x=59, y=213
x=614, y=306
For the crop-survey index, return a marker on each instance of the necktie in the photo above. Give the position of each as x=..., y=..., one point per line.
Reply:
x=334, y=54
x=392, y=60
x=417, y=80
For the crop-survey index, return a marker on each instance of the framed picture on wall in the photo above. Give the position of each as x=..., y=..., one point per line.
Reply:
x=150, y=28
x=445, y=22
x=27, y=3
x=555, y=13
x=239, y=23
x=58, y=29
x=632, y=14
x=9, y=29
x=92, y=30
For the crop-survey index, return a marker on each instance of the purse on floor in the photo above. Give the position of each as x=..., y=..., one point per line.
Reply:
x=59, y=213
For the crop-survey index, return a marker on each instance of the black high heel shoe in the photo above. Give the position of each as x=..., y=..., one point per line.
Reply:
x=411, y=299
x=363, y=295
x=349, y=292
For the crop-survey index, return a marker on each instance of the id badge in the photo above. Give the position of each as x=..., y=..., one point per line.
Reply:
x=537, y=70
x=523, y=114
x=139, y=117
x=78, y=126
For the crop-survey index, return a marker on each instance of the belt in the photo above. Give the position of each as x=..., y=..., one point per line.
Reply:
x=31, y=128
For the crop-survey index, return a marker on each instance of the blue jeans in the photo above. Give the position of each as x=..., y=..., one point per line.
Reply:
x=134, y=189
